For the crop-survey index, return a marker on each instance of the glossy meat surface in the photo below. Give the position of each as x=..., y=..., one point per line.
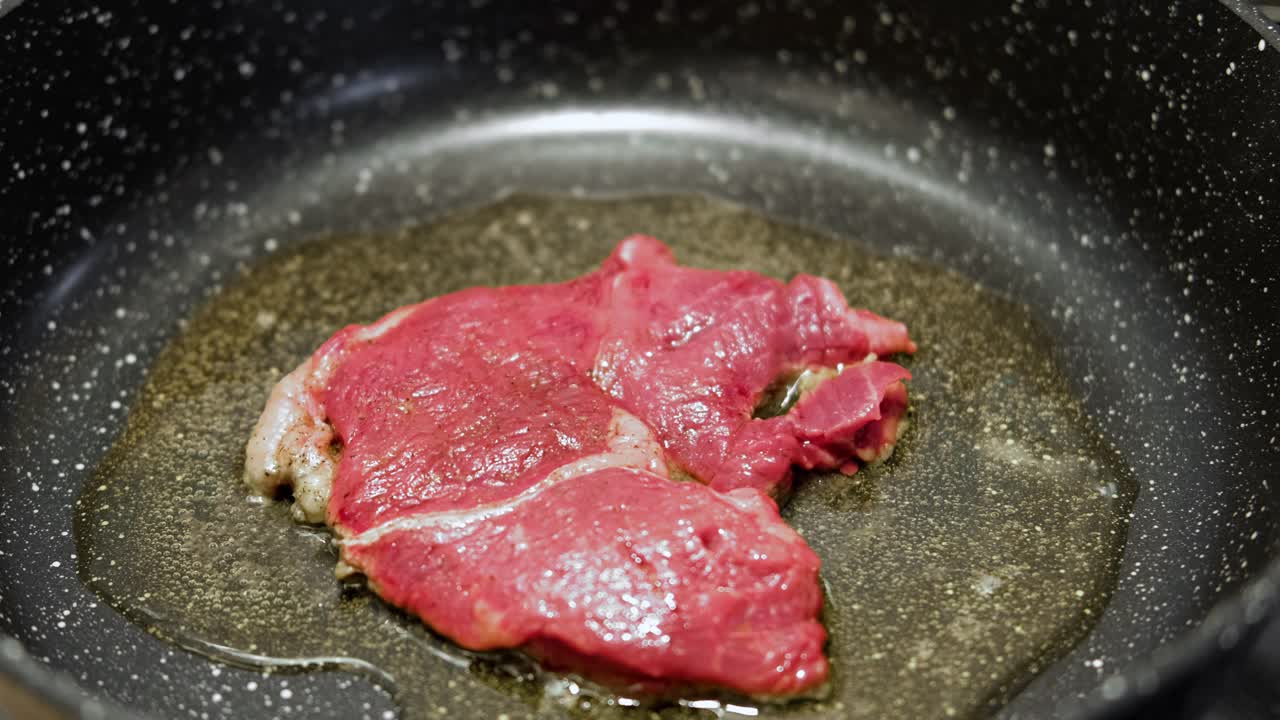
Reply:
x=624, y=576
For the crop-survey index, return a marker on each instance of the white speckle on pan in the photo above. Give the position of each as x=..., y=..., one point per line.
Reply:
x=265, y=319
x=452, y=50
x=1114, y=687
x=363, y=179
x=987, y=584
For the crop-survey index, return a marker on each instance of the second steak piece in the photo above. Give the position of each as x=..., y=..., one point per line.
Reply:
x=692, y=352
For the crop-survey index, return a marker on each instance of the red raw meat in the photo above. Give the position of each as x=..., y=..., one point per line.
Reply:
x=692, y=351
x=507, y=457
x=623, y=575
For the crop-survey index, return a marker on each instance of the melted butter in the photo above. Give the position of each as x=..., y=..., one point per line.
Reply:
x=985, y=548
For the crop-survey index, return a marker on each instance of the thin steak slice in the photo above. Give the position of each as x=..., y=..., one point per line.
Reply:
x=692, y=351
x=500, y=463
x=620, y=574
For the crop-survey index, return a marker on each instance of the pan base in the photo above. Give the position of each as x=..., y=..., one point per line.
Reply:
x=985, y=549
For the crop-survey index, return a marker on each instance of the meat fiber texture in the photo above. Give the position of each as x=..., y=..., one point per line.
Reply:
x=575, y=470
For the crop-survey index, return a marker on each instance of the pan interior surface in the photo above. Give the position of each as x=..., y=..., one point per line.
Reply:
x=980, y=554
x=984, y=141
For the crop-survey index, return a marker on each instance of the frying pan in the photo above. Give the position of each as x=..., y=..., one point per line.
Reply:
x=1118, y=159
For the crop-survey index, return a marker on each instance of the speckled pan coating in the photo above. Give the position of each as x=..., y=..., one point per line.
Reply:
x=1112, y=167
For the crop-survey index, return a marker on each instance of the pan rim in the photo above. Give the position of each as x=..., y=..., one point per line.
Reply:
x=1231, y=625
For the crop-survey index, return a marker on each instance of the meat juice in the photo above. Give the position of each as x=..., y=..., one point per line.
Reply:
x=984, y=549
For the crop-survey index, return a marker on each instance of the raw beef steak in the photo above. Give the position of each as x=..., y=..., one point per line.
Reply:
x=507, y=464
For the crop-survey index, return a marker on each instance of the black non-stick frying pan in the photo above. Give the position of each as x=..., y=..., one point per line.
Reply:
x=1112, y=165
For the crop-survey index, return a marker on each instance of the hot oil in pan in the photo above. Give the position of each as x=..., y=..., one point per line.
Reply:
x=984, y=549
